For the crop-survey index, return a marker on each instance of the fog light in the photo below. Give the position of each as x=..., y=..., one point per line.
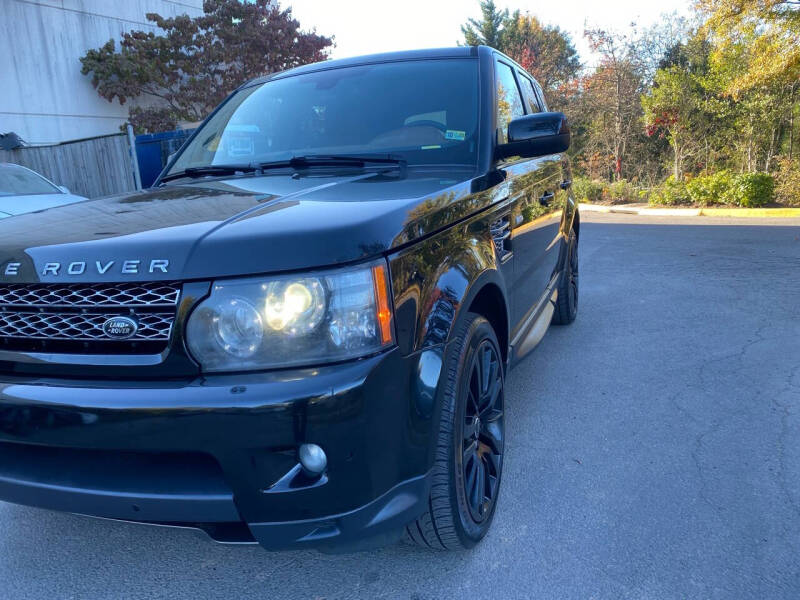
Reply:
x=313, y=459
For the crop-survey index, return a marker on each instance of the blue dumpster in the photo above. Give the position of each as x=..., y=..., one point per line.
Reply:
x=154, y=149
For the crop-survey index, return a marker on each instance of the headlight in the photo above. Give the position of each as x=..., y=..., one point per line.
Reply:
x=313, y=318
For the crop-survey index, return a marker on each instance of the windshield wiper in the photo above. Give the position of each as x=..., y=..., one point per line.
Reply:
x=296, y=162
x=333, y=160
x=210, y=170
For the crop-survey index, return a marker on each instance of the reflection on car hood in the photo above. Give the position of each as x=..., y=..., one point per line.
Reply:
x=237, y=226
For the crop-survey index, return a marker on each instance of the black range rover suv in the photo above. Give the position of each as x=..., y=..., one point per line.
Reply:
x=300, y=335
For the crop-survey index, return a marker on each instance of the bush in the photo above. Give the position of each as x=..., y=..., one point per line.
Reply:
x=787, y=182
x=751, y=190
x=747, y=189
x=670, y=193
x=587, y=190
x=619, y=192
x=710, y=189
x=590, y=190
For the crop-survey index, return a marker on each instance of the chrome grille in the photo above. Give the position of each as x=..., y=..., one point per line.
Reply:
x=64, y=326
x=70, y=317
x=122, y=295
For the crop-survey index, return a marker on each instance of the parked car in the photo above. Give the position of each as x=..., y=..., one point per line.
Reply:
x=24, y=191
x=300, y=335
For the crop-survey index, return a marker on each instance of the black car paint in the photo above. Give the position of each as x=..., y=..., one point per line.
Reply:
x=376, y=417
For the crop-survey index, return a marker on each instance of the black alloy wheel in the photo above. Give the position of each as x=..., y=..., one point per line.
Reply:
x=465, y=479
x=482, y=432
x=566, y=308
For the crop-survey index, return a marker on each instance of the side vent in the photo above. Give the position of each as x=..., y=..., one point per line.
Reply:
x=501, y=234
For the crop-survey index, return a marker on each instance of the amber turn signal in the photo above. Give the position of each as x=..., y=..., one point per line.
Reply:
x=384, y=313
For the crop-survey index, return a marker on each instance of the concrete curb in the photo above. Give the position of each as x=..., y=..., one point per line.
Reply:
x=751, y=212
x=693, y=212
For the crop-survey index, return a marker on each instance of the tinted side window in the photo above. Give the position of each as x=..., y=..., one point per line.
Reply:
x=509, y=101
x=529, y=93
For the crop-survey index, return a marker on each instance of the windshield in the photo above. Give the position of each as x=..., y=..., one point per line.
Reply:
x=19, y=181
x=425, y=112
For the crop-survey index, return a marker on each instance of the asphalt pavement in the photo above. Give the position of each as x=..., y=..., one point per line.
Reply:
x=653, y=452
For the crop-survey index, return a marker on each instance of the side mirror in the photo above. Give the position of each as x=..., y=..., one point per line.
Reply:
x=64, y=189
x=536, y=135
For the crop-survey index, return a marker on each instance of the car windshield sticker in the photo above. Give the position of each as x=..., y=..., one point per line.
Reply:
x=430, y=147
x=454, y=134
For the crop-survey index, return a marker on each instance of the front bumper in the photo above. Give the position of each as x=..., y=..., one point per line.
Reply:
x=219, y=453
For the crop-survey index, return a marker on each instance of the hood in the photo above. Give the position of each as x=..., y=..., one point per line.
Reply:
x=232, y=227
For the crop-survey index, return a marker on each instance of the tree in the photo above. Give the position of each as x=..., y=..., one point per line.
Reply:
x=489, y=30
x=611, y=99
x=187, y=70
x=690, y=102
x=674, y=106
x=545, y=51
x=757, y=116
x=772, y=28
x=655, y=43
x=682, y=105
x=757, y=58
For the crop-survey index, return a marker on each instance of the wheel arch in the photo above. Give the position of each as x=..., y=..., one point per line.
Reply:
x=490, y=303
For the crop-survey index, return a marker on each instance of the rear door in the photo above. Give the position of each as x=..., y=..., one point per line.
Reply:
x=534, y=185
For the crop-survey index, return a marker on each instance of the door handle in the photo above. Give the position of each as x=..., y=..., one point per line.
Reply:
x=546, y=198
x=566, y=184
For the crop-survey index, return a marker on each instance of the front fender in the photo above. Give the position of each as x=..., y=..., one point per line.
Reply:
x=435, y=281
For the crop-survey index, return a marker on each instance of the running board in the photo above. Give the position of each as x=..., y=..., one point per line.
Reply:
x=538, y=329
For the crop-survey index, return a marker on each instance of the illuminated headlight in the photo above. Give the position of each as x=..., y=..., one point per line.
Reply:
x=314, y=318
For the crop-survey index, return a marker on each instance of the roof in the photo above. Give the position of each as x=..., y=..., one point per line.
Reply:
x=433, y=53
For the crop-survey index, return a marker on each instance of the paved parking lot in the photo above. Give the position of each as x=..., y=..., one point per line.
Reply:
x=653, y=452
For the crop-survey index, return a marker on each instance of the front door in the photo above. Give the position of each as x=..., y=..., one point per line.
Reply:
x=534, y=184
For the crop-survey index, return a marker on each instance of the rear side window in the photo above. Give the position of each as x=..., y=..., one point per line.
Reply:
x=509, y=101
x=529, y=93
x=540, y=95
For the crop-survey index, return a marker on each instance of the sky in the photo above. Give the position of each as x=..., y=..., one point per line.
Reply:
x=370, y=26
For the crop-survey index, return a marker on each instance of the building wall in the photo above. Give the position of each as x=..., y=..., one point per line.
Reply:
x=44, y=98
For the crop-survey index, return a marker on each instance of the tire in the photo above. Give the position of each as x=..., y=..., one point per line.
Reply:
x=469, y=450
x=567, y=303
